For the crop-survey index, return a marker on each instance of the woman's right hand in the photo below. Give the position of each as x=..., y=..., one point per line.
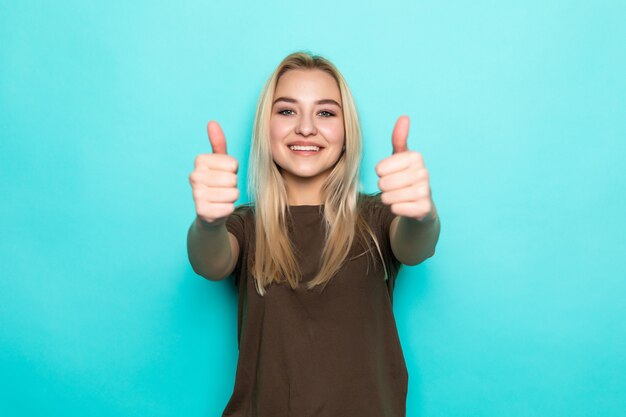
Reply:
x=214, y=180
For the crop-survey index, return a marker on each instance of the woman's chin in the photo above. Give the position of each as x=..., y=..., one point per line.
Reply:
x=303, y=174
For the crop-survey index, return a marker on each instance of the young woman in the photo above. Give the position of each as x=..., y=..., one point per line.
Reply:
x=314, y=259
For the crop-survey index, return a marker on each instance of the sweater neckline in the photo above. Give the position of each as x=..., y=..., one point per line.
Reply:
x=306, y=208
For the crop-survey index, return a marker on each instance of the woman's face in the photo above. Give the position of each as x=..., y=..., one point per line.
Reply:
x=306, y=111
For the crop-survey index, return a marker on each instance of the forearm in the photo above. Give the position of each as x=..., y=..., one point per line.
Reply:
x=208, y=249
x=414, y=241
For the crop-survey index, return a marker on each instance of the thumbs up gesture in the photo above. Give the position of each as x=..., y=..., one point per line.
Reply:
x=404, y=180
x=214, y=180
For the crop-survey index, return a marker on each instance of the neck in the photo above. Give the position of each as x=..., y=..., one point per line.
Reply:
x=304, y=191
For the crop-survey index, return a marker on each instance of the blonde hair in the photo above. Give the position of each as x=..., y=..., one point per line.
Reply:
x=274, y=259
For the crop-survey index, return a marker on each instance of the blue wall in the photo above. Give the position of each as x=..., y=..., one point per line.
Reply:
x=518, y=109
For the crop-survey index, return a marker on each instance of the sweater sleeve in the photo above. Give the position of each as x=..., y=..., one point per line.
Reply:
x=236, y=224
x=382, y=216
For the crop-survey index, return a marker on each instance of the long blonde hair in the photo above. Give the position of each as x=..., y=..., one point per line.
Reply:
x=274, y=259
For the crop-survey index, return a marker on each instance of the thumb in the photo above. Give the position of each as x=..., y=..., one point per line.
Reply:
x=400, y=135
x=216, y=137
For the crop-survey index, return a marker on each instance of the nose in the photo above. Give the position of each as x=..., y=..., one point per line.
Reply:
x=306, y=126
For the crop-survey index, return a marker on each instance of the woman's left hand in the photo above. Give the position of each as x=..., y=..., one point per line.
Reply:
x=404, y=180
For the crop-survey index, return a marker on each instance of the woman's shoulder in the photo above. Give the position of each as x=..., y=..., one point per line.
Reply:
x=240, y=217
x=369, y=201
x=374, y=210
x=244, y=208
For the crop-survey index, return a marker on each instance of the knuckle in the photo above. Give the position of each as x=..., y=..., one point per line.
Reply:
x=199, y=161
x=378, y=169
x=197, y=194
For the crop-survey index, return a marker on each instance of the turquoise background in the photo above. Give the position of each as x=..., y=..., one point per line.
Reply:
x=517, y=107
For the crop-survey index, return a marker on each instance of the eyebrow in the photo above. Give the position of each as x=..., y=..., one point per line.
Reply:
x=293, y=100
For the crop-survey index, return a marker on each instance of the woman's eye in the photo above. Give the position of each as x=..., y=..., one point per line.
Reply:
x=324, y=113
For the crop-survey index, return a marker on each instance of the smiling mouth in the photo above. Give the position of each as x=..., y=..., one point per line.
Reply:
x=305, y=150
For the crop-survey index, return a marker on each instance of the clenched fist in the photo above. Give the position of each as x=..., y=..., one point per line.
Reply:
x=404, y=180
x=214, y=180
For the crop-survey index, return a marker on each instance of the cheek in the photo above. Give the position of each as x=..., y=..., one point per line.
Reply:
x=333, y=132
x=277, y=137
x=279, y=128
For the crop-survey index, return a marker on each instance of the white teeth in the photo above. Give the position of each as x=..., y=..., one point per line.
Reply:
x=304, y=148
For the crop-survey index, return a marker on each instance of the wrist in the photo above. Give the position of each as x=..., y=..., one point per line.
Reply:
x=211, y=227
